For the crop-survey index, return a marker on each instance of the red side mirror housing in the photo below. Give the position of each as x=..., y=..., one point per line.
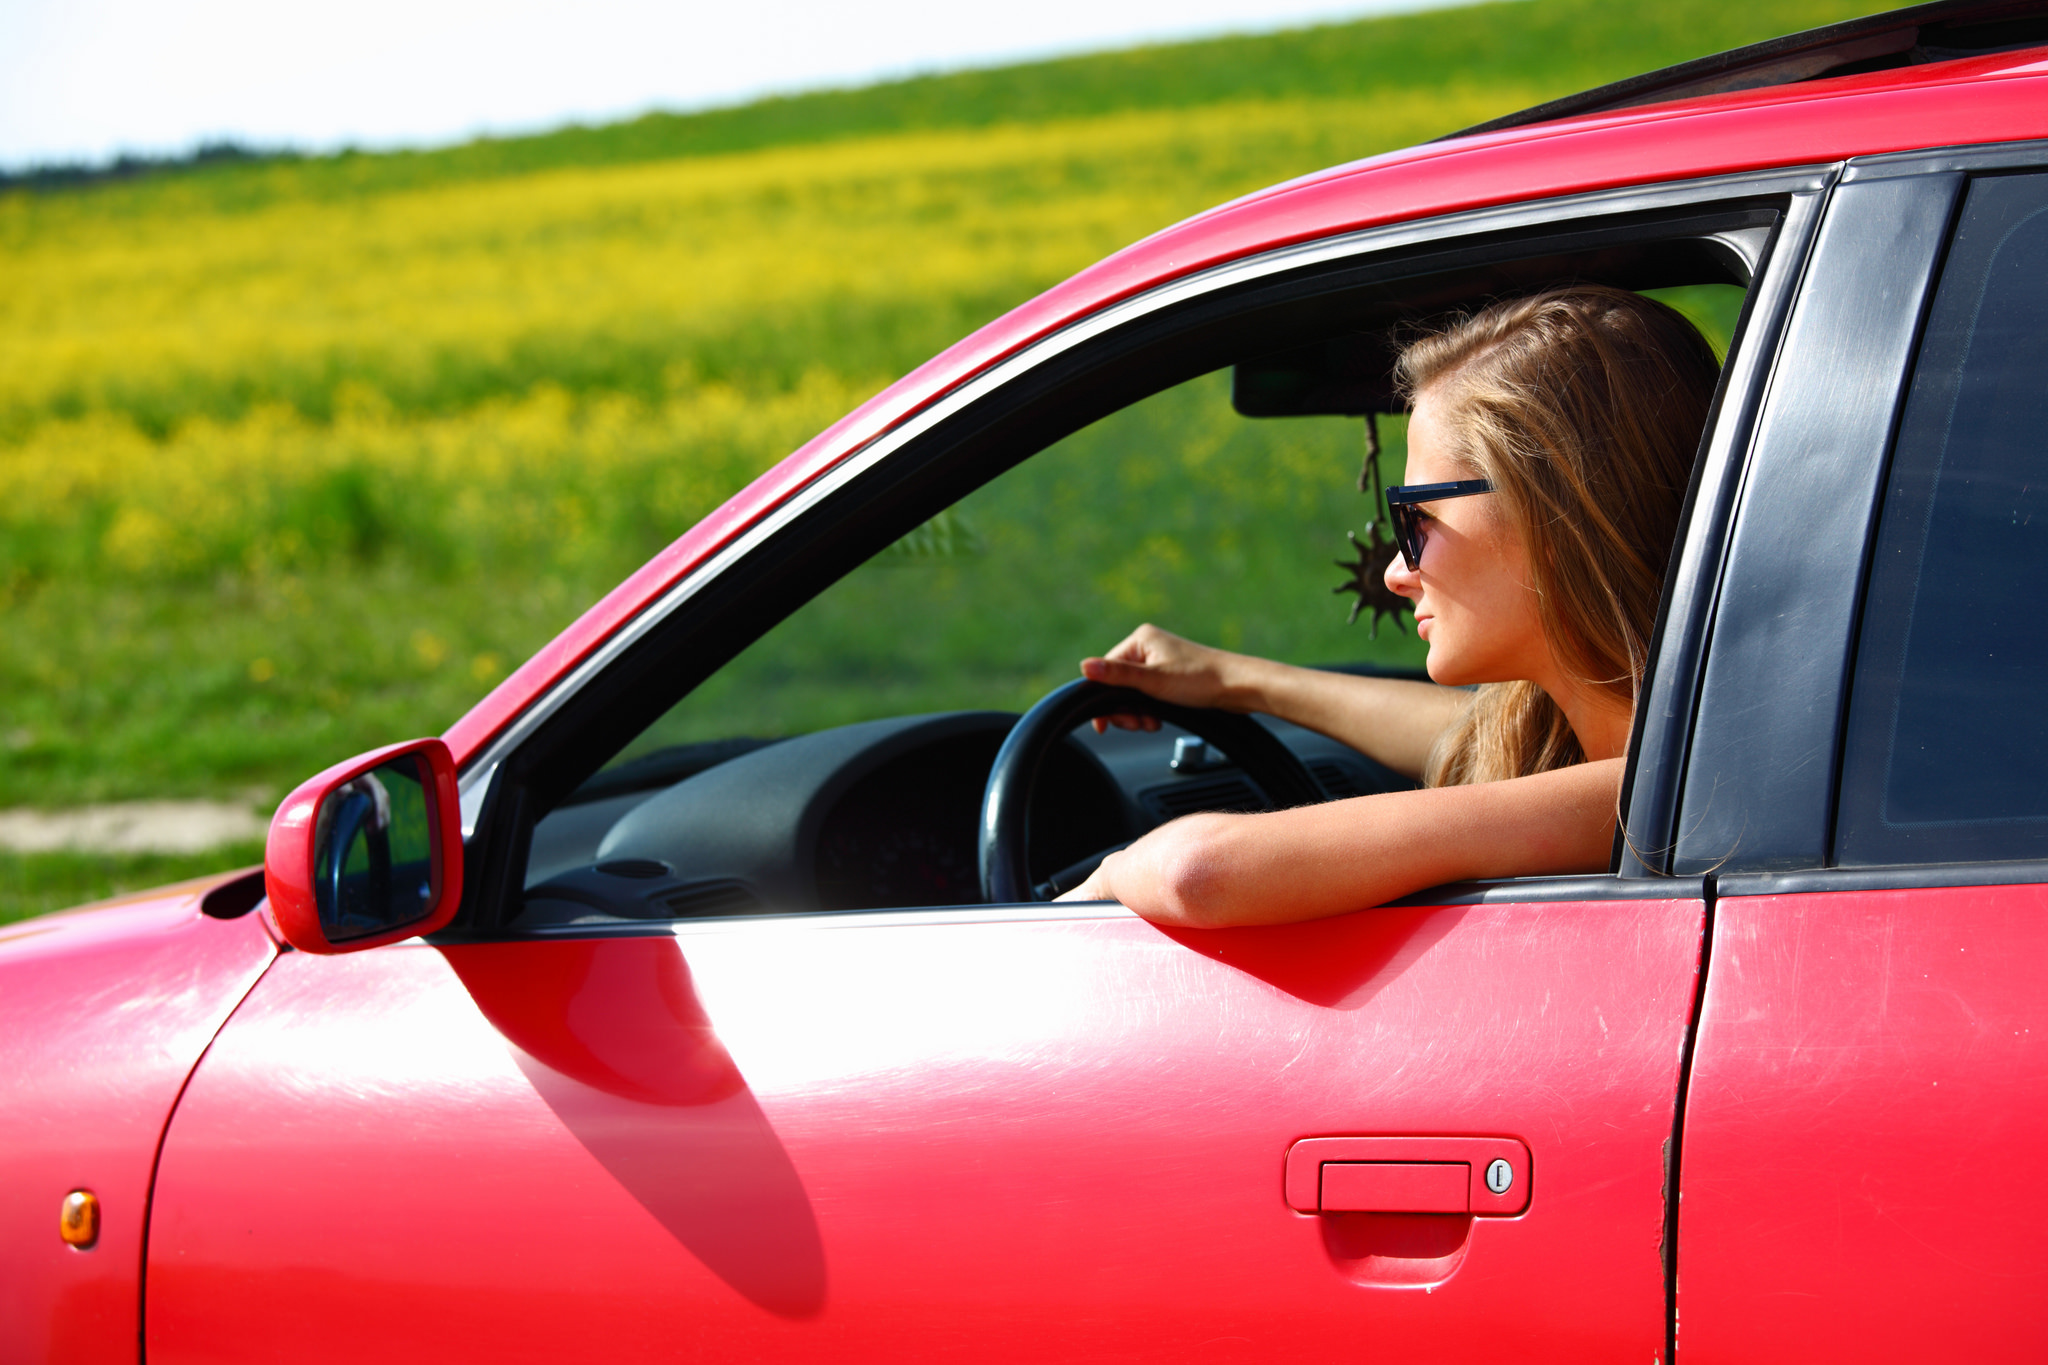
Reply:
x=368, y=852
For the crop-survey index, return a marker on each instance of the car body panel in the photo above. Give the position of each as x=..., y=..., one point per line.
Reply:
x=104, y=1011
x=1984, y=99
x=1025, y=1135
x=1867, y=1090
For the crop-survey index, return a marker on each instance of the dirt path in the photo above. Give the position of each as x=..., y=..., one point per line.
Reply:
x=131, y=827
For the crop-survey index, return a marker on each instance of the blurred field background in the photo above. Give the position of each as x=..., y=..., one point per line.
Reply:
x=302, y=455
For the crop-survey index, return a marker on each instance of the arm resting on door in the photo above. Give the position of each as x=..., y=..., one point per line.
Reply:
x=1214, y=870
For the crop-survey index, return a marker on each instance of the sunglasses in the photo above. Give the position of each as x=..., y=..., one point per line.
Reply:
x=1401, y=501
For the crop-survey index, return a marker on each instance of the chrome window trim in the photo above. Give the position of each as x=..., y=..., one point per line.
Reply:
x=1908, y=877
x=2004, y=156
x=1567, y=889
x=806, y=921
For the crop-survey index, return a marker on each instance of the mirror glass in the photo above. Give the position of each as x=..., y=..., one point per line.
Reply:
x=373, y=851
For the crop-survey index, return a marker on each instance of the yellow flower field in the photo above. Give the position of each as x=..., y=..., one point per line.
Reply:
x=193, y=307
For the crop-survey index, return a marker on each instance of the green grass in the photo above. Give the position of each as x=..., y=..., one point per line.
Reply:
x=301, y=456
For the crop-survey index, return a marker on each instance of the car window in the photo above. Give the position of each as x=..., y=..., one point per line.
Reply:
x=1176, y=510
x=1947, y=752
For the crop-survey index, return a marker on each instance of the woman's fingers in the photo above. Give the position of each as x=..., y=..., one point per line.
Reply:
x=1115, y=673
x=1096, y=888
x=1161, y=665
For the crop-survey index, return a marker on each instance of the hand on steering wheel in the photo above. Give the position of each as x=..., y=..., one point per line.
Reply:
x=1005, y=870
x=1161, y=664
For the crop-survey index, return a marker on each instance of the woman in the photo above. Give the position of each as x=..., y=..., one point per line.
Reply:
x=1568, y=421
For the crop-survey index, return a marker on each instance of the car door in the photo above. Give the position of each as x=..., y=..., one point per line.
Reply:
x=992, y=1133
x=1871, y=1068
x=1045, y=1134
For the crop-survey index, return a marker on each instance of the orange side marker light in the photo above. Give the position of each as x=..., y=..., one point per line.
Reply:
x=78, y=1222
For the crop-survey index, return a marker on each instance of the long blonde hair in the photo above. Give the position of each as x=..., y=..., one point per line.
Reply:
x=1584, y=406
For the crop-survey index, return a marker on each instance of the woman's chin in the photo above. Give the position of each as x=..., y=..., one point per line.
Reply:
x=1443, y=667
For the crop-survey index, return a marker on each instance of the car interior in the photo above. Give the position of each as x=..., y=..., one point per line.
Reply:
x=812, y=727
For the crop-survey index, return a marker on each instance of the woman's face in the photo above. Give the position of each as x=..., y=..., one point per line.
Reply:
x=1473, y=602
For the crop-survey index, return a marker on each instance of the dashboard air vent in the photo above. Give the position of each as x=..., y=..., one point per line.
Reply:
x=1335, y=782
x=1216, y=793
x=703, y=900
x=638, y=869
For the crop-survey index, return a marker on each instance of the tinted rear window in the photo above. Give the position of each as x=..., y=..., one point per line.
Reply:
x=1947, y=754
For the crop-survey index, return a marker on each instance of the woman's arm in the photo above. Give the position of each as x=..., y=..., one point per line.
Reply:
x=1391, y=720
x=1212, y=871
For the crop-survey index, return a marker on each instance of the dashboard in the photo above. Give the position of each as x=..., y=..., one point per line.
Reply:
x=879, y=815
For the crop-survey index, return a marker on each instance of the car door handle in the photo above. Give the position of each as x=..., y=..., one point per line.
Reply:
x=1489, y=1177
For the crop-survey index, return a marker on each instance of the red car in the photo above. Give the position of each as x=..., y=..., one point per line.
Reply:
x=591, y=1031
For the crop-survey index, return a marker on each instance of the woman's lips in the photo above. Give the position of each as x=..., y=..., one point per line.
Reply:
x=1422, y=625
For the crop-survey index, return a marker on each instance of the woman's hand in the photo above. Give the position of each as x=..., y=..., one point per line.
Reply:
x=1163, y=665
x=1158, y=876
x=1390, y=720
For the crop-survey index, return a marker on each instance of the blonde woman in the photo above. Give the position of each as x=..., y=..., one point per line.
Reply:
x=1549, y=445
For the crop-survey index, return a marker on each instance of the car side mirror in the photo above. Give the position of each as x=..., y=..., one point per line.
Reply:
x=368, y=852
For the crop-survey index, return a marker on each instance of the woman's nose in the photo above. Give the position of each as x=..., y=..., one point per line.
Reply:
x=1401, y=579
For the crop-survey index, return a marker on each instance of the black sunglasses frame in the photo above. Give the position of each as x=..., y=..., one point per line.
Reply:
x=1401, y=500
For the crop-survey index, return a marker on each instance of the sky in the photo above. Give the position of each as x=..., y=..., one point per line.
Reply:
x=84, y=80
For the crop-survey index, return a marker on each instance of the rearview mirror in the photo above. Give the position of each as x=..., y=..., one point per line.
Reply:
x=1345, y=376
x=368, y=852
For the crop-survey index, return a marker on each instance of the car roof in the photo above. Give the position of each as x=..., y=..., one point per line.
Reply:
x=1999, y=96
x=1915, y=36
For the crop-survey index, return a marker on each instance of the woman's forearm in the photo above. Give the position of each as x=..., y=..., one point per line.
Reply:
x=1391, y=720
x=1212, y=871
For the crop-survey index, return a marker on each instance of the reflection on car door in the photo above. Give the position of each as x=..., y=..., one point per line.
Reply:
x=1048, y=1134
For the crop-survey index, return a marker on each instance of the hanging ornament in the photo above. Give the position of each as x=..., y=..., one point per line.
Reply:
x=1375, y=552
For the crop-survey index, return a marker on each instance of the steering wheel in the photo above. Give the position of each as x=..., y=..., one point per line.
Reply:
x=1005, y=874
x=363, y=812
